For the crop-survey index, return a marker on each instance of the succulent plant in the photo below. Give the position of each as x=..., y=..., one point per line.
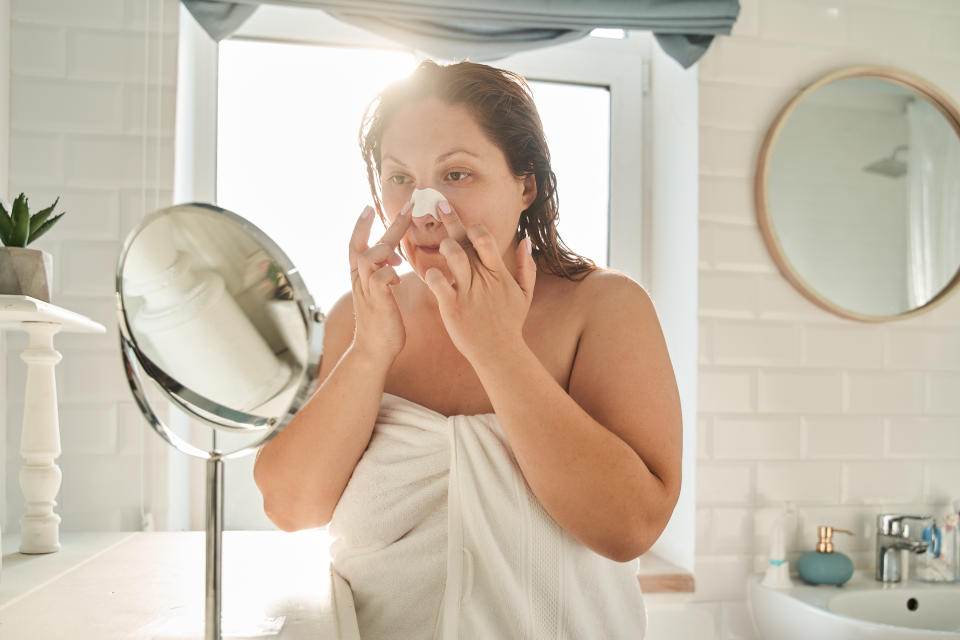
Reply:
x=19, y=228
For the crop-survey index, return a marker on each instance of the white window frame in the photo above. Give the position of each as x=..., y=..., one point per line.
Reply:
x=653, y=209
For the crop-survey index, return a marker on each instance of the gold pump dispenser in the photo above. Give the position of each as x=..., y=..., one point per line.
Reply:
x=825, y=544
x=825, y=566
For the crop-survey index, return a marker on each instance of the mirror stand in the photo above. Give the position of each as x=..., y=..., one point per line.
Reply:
x=214, y=546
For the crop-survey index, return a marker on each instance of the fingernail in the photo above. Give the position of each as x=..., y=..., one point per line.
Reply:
x=444, y=206
x=529, y=245
x=367, y=212
x=406, y=208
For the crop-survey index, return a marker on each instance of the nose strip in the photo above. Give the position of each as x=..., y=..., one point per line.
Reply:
x=425, y=202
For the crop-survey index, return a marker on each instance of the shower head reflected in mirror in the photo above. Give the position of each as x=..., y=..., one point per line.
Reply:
x=889, y=167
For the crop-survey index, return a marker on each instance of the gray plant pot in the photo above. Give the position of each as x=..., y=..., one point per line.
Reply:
x=26, y=272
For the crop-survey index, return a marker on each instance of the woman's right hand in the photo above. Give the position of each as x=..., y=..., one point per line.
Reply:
x=379, y=329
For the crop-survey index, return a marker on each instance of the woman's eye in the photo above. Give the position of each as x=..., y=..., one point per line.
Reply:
x=398, y=179
x=458, y=176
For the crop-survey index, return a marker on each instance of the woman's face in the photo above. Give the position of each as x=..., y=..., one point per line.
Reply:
x=430, y=143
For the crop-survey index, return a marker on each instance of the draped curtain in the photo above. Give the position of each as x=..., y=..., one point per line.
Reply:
x=456, y=29
x=933, y=203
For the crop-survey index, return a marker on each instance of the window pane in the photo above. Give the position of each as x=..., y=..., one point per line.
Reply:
x=288, y=158
x=576, y=120
x=287, y=153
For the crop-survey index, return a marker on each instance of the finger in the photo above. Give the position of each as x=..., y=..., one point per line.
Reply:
x=370, y=261
x=360, y=236
x=365, y=268
x=526, y=268
x=457, y=261
x=485, y=245
x=451, y=221
x=382, y=253
x=442, y=289
x=383, y=278
x=397, y=228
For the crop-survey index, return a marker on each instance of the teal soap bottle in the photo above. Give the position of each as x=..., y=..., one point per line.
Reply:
x=825, y=566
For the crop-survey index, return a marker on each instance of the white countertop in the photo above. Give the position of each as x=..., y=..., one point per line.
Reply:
x=130, y=585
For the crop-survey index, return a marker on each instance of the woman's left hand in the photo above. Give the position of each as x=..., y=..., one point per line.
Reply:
x=485, y=311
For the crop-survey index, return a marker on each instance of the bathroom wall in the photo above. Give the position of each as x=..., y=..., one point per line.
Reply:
x=92, y=96
x=845, y=419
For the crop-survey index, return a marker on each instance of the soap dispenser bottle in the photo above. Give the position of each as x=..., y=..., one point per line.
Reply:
x=825, y=566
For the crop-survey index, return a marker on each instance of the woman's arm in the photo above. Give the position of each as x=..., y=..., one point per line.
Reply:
x=604, y=461
x=303, y=471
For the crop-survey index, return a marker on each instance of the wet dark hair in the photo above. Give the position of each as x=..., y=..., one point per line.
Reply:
x=502, y=103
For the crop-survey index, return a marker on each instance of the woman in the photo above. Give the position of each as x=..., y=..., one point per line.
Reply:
x=496, y=434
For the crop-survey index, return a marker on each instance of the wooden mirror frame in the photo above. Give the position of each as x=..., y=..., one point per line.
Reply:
x=925, y=89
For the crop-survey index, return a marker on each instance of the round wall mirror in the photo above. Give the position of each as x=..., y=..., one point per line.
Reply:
x=858, y=193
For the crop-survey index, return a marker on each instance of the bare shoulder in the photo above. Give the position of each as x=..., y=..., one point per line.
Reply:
x=338, y=328
x=340, y=316
x=622, y=368
x=607, y=281
x=608, y=291
x=602, y=298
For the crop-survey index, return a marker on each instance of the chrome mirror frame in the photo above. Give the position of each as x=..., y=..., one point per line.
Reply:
x=195, y=404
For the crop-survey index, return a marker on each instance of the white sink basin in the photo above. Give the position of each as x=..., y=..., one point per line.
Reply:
x=862, y=608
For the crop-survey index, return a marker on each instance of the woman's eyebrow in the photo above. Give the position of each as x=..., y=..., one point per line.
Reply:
x=446, y=155
x=440, y=158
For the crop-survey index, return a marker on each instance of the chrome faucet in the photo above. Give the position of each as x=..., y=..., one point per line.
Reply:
x=894, y=533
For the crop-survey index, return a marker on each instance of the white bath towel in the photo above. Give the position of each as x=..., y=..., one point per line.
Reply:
x=438, y=537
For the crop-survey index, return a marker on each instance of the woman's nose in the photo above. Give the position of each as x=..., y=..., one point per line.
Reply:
x=427, y=223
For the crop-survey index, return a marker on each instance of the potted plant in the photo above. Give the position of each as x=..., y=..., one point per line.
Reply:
x=23, y=271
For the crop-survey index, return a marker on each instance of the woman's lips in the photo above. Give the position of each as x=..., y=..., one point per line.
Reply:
x=426, y=249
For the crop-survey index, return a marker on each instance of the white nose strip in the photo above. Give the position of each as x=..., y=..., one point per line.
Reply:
x=425, y=203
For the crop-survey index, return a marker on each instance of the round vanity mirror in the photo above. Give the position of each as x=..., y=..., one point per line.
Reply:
x=215, y=318
x=858, y=193
x=213, y=313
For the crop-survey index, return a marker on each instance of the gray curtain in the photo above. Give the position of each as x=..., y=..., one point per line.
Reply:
x=485, y=31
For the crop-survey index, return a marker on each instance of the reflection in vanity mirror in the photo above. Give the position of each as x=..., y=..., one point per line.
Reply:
x=858, y=195
x=211, y=312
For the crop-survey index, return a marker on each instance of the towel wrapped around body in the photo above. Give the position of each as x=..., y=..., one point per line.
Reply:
x=437, y=536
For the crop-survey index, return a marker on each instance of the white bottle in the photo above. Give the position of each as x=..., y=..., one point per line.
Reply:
x=777, y=575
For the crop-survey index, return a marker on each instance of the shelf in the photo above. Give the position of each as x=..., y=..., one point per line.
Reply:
x=17, y=309
x=656, y=575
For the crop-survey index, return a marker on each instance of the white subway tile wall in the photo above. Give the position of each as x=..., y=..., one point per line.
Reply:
x=844, y=419
x=93, y=88
x=39, y=50
x=846, y=347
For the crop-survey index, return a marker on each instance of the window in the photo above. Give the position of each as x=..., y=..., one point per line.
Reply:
x=288, y=158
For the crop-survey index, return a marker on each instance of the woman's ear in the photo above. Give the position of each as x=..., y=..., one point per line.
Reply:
x=529, y=190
